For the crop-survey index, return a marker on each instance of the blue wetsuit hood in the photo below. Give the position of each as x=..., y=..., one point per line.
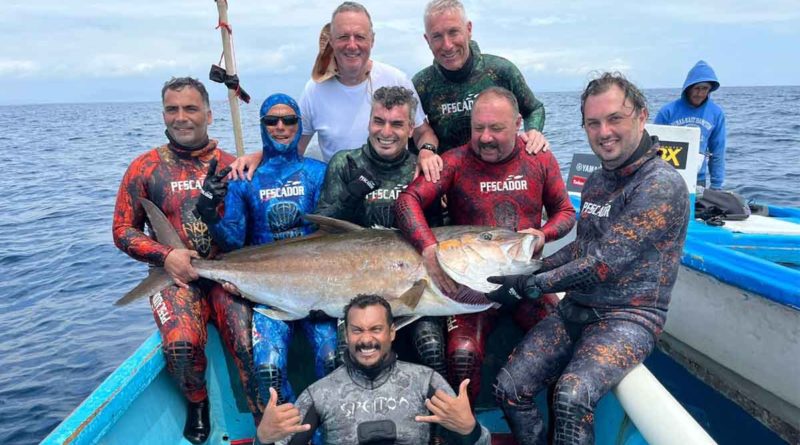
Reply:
x=700, y=72
x=272, y=150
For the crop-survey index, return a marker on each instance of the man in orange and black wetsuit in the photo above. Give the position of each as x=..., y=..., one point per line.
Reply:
x=171, y=176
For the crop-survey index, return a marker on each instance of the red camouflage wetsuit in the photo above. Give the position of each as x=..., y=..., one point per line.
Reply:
x=508, y=194
x=172, y=179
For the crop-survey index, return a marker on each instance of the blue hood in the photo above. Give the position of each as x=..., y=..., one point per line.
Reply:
x=271, y=148
x=701, y=72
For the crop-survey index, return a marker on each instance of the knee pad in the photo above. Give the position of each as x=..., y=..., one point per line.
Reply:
x=574, y=417
x=510, y=395
x=270, y=376
x=464, y=364
x=181, y=356
x=429, y=343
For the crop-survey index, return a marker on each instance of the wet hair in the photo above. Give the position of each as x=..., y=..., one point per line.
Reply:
x=394, y=96
x=352, y=7
x=605, y=81
x=179, y=83
x=439, y=6
x=363, y=300
x=501, y=93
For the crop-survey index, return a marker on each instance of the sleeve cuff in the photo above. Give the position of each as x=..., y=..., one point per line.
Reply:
x=472, y=437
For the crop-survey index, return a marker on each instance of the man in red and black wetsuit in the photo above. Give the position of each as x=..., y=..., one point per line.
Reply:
x=171, y=176
x=490, y=181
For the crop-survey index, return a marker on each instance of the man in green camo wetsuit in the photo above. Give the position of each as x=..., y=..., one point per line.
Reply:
x=448, y=88
x=361, y=186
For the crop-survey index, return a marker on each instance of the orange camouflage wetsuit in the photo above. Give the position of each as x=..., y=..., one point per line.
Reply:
x=172, y=178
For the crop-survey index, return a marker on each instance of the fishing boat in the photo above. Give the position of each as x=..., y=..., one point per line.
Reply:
x=734, y=319
x=140, y=404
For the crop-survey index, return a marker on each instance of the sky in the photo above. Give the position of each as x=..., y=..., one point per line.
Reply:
x=75, y=51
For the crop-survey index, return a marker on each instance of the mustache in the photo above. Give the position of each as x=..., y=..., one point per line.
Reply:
x=361, y=346
x=487, y=145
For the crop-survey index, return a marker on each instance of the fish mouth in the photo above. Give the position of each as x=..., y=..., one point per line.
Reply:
x=470, y=266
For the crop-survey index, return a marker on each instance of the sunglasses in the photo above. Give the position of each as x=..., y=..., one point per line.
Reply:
x=271, y=121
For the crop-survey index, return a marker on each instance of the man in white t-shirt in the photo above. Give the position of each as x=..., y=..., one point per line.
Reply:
x=337, y=105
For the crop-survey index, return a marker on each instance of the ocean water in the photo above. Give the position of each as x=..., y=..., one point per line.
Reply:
x=61, y=335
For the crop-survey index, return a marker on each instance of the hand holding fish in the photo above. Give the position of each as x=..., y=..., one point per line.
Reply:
x=453, y=413
x=537, y=249
x=279, y=421
x=440, y=279
x=514, y=288
x=178, y=265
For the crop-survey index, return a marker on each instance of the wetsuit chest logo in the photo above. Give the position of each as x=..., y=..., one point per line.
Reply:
x=598, y=210
x=460, y=106
x=511, y=184
x=288, y=190
x=386, y=194
x=189, y=184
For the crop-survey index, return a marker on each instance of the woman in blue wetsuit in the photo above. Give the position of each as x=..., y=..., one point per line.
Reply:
x=284, y=187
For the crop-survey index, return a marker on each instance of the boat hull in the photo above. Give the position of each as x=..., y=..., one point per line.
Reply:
x=139, y=404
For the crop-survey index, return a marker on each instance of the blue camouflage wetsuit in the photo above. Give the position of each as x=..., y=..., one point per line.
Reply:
x=284, y=187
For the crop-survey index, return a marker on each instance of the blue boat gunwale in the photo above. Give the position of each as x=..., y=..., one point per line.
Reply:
x=109, y=401
x=711, y=250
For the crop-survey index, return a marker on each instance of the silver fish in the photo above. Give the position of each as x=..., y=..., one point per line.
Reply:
x=324, y=271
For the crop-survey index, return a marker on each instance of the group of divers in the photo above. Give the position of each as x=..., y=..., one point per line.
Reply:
x=481, y=160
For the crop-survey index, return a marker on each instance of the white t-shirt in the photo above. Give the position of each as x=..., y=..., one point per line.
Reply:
x=340, y=113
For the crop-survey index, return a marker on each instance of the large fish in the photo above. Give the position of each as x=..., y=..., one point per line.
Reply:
x=323, y=272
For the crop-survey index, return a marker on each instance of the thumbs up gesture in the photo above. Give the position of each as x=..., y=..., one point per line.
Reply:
x=453, y=413
x=279, y=421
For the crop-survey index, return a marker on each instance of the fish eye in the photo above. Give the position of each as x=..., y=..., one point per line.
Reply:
x=486, y=236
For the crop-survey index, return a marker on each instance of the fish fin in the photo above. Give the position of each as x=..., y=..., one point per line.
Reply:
x=411, y=297
x=332, y=225
x=165, y=233
x=276, y=314
x=401, y=322
x=156, y=280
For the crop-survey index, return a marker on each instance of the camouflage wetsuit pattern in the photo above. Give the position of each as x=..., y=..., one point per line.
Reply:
x=447, y=97
x=509, y=194
x=270, y=207
x=377, y=208
x=346, y=398
x=172, y=179
x=618, y=275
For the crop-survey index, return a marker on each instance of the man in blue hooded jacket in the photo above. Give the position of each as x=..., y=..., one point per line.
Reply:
x=285, y=186
x=696, y=109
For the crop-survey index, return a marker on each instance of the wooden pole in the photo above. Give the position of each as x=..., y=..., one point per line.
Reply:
x=230, y=68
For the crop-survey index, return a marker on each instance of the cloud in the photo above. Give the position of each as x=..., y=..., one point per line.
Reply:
x=726, y=12
x=270, y=61
x=18, y=68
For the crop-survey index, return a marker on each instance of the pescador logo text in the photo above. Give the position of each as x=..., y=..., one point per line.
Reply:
x=511, y=184
x=291, y=188
x=461, y=106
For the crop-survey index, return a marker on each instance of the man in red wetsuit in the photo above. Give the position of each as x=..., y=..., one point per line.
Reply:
x=172, y=176
x=490, y=181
